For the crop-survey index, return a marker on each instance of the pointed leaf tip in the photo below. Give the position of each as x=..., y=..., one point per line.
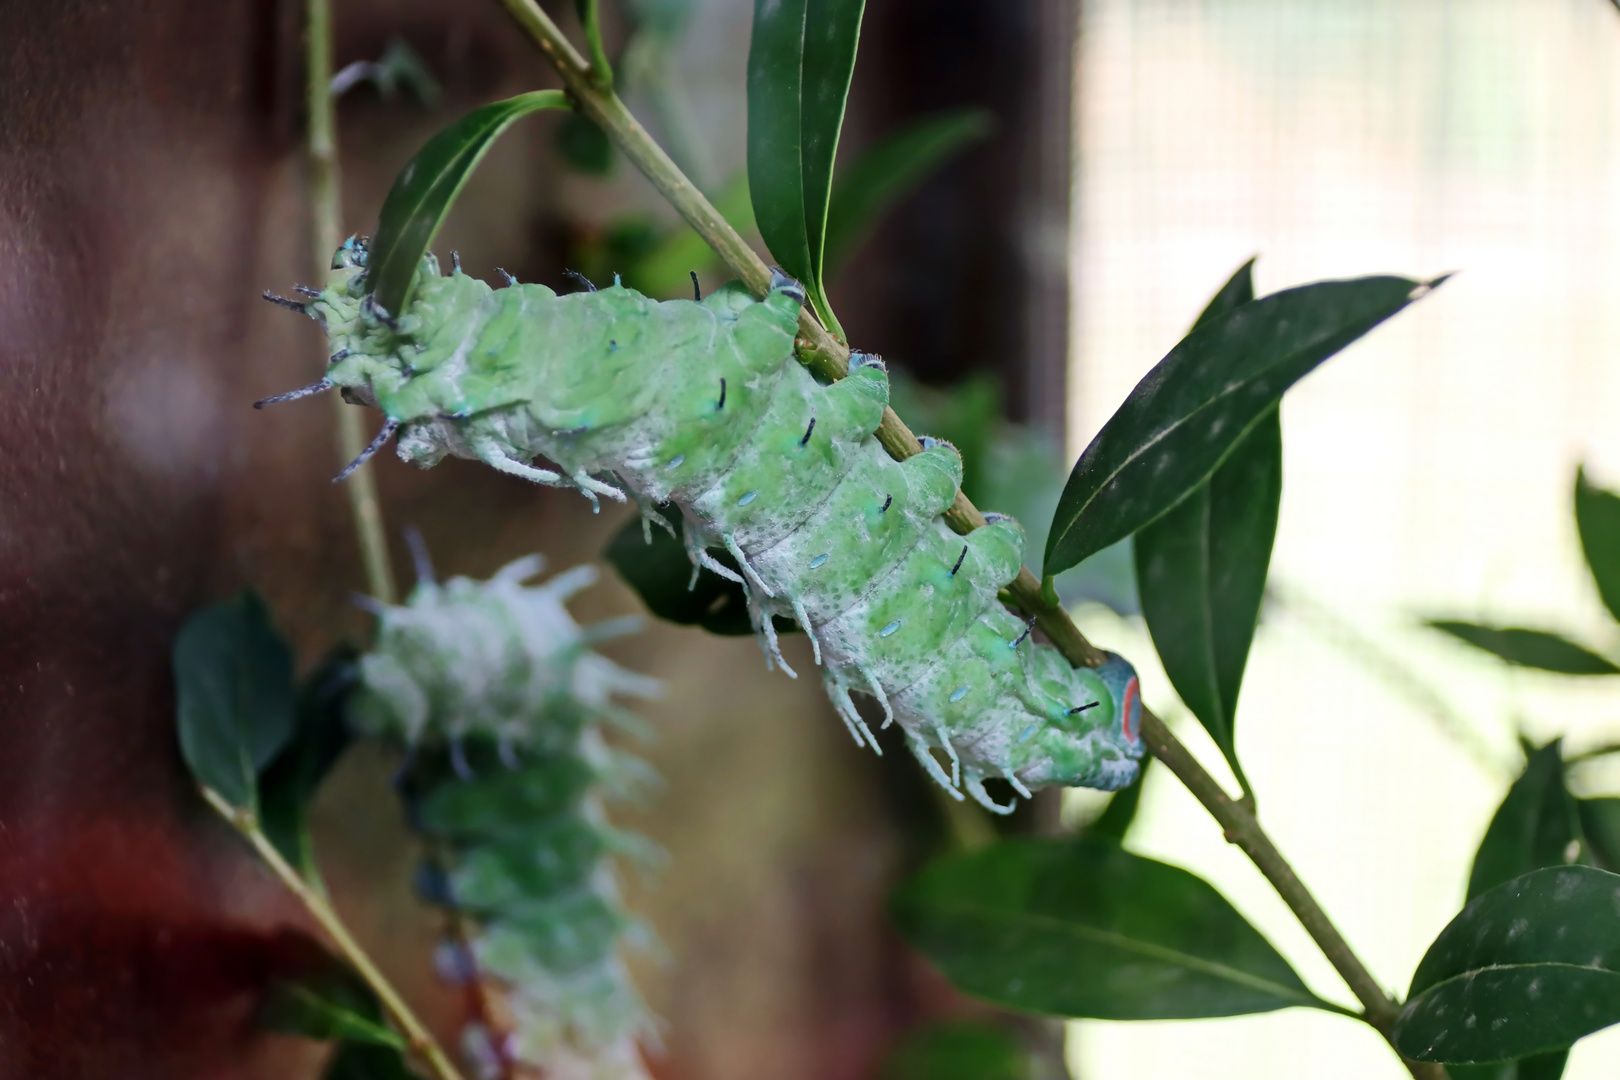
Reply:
x=426, y=189
x=1185, y=416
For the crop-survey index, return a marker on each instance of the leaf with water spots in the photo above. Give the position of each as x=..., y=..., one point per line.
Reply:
x=1527, y=968
x=1182, y=420
x=1537, y=825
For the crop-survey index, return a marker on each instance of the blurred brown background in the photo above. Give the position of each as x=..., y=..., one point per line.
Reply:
x=151, y=184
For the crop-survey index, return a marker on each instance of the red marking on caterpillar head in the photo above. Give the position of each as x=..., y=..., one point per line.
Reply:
x=1132, y=711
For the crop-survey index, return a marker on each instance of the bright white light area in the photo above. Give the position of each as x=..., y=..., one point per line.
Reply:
x=1429, y=468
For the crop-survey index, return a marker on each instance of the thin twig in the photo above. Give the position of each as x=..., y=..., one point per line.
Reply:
x=326, y=232
x=422, y=1043
x=325, y=196
x=823, y=354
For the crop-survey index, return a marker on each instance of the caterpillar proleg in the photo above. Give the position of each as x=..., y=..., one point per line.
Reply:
x=701, y=404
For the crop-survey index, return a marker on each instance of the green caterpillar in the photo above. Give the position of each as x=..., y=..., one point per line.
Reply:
x=495, y=691
x=701, y=404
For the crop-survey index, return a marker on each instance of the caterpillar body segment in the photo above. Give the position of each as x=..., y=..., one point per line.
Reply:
x=702, y=404
x=501, y=703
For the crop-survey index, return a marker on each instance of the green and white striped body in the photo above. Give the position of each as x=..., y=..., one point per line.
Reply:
x=500, y=701
x=702, y=404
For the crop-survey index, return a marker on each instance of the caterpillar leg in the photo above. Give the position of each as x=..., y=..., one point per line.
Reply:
x=950, y=752
x=766, y=631
x=742, y=561
x=1017, y=784
x=975, y=788
x=702, y=560
x=877, y=691
x=492, y=455
x=590, y=487
x=803, y=616
x=930, y=765
x=838, y=694
x=650, y=517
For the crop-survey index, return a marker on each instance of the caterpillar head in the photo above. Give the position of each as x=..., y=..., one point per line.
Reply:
x=1095, y=742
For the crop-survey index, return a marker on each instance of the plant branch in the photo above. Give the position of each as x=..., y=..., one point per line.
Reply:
x=826, y=356
x=326, y=233
x=601, y=70
x=422, y=1042
x=325, y=196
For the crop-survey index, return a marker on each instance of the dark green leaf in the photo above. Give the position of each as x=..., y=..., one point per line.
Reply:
x=1534, y=827
x=1526, y=968
x=660, y=572
x=319, y=737
x=1536, y=1067
x=1600, y=827
x=800, y=60
x=1187, y=414
x=1597, y=517
x=959, y=1051
x=584, y=145
x=1080, y=927
x=886, y=173
x=363, y=1061
x=1529, y=648
x=1201, y=574
x=427, y=187
x=1115, y=820
x=332, y=1005
x=233, y=678
x=1201, y=566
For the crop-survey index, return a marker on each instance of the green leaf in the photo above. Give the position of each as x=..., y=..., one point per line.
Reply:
x=1529, y=648
x=233, y=678
x=660, y=572
x=886, y=173
x=1536, y=1067
x=427, y=187
x=319, y=738
x=1534, y=827
x=364, y=1061
x=335, y=1004
x=957, y=1051
x=1079, y=927
x=1526, y=968
x=584, y=145
x=1184, y=418
x=1600, y=826
x=1201, y=566
x=1597, y=518
x=800, y=60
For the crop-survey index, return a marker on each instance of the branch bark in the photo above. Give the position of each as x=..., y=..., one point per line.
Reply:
x=422, y=1043
x=823, y=354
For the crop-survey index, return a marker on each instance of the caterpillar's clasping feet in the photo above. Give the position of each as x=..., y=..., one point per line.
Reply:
x=780, y=282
